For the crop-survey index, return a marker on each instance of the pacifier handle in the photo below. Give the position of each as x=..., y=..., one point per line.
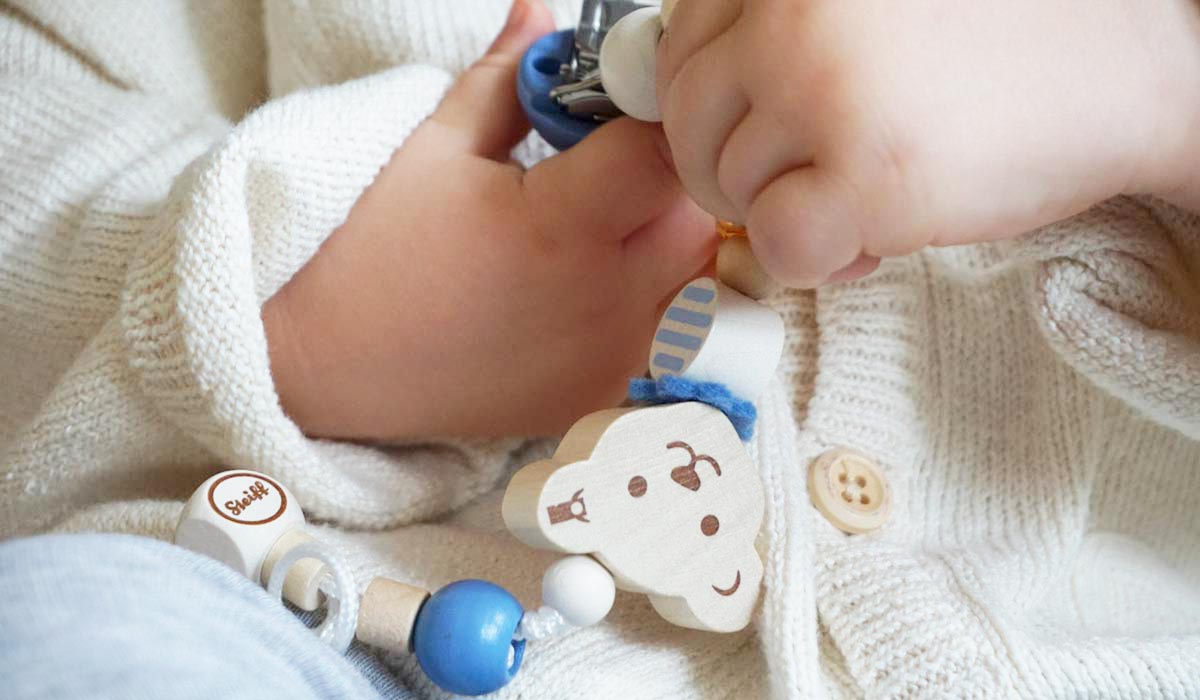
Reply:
x=539, y=73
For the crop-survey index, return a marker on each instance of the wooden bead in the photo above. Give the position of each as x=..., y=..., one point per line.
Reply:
x=629, y=64
x=388, y=613
x=236, y=517
x=711, y=333
x=580, y=589
x=464, y=637
x=738, y=268
x=302, y=585
x=666, y=498
x=668, y=8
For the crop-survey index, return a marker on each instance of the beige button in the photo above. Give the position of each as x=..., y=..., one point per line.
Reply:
x=850, y=491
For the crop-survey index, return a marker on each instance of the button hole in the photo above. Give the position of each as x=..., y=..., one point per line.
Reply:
x=861, y=482
x=842, y=477
x=847, y=497
x=865, y=500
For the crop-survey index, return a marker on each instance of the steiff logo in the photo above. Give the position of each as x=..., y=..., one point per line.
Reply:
x=247, y=498
x=255, y=493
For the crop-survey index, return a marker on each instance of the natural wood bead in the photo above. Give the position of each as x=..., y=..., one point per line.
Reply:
x=739, y=269
x=668, y=7
x=388, y=613
x=301, y=587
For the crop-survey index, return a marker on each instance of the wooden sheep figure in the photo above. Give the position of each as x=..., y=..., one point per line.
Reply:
x=666, y=497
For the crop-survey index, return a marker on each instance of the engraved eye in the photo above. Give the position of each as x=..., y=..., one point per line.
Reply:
x=709, y=525
x=637, y=487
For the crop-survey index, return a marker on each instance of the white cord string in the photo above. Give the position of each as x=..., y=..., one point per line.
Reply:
x=541, y=624
x=341, y=595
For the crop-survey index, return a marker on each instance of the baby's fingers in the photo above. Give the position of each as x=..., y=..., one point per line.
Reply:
x=481, y=108
x=806, y=226
x=670, y=251
x=608, y=186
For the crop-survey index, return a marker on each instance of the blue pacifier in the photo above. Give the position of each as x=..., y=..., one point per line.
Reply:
x=559, y=83
x=542, y=73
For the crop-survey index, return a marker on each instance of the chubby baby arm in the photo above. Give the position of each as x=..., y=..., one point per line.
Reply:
x=465, y=296
x=842, y=131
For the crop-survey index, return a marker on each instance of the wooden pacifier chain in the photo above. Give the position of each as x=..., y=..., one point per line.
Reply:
x=468, y=636
x=659, y=497
x=661, y=493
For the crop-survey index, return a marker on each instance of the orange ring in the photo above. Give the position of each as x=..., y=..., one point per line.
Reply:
x=728, y=229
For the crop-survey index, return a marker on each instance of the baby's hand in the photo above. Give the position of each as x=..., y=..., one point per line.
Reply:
x=465, y=296
x=841, y=131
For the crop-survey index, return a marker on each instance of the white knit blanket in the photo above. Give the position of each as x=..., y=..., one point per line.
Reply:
x=166, y=166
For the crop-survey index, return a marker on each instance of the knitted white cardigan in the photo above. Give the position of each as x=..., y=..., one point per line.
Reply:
x=1035, y=405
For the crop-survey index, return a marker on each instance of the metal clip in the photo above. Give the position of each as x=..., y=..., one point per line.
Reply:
x=584, y=96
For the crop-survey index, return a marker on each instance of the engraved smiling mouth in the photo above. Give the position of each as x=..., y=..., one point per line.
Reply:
x=732, y=589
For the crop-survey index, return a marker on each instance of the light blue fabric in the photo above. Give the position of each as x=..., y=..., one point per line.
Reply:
x=112, y=616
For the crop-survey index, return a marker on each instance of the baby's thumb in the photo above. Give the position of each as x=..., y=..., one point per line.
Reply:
x=482, y=106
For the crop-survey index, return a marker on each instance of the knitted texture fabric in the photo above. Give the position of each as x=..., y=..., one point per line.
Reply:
x=1034, y=405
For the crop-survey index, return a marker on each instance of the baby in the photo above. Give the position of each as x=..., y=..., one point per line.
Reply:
x=839, y=132
x=365, y=260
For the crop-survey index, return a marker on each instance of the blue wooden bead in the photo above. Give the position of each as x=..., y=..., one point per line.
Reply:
x=463, y=637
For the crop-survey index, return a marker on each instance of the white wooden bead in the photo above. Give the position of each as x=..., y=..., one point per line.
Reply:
x=580, y=589
x=388, y=613
x=668, y=8
x=711, y=333
x=236, y=517
x=628, y=64
x=739, y=269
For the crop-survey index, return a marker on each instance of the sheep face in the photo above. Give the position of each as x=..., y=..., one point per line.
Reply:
x=665, y=497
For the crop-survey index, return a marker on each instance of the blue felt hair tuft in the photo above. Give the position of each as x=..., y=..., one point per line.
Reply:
x=670, y=389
